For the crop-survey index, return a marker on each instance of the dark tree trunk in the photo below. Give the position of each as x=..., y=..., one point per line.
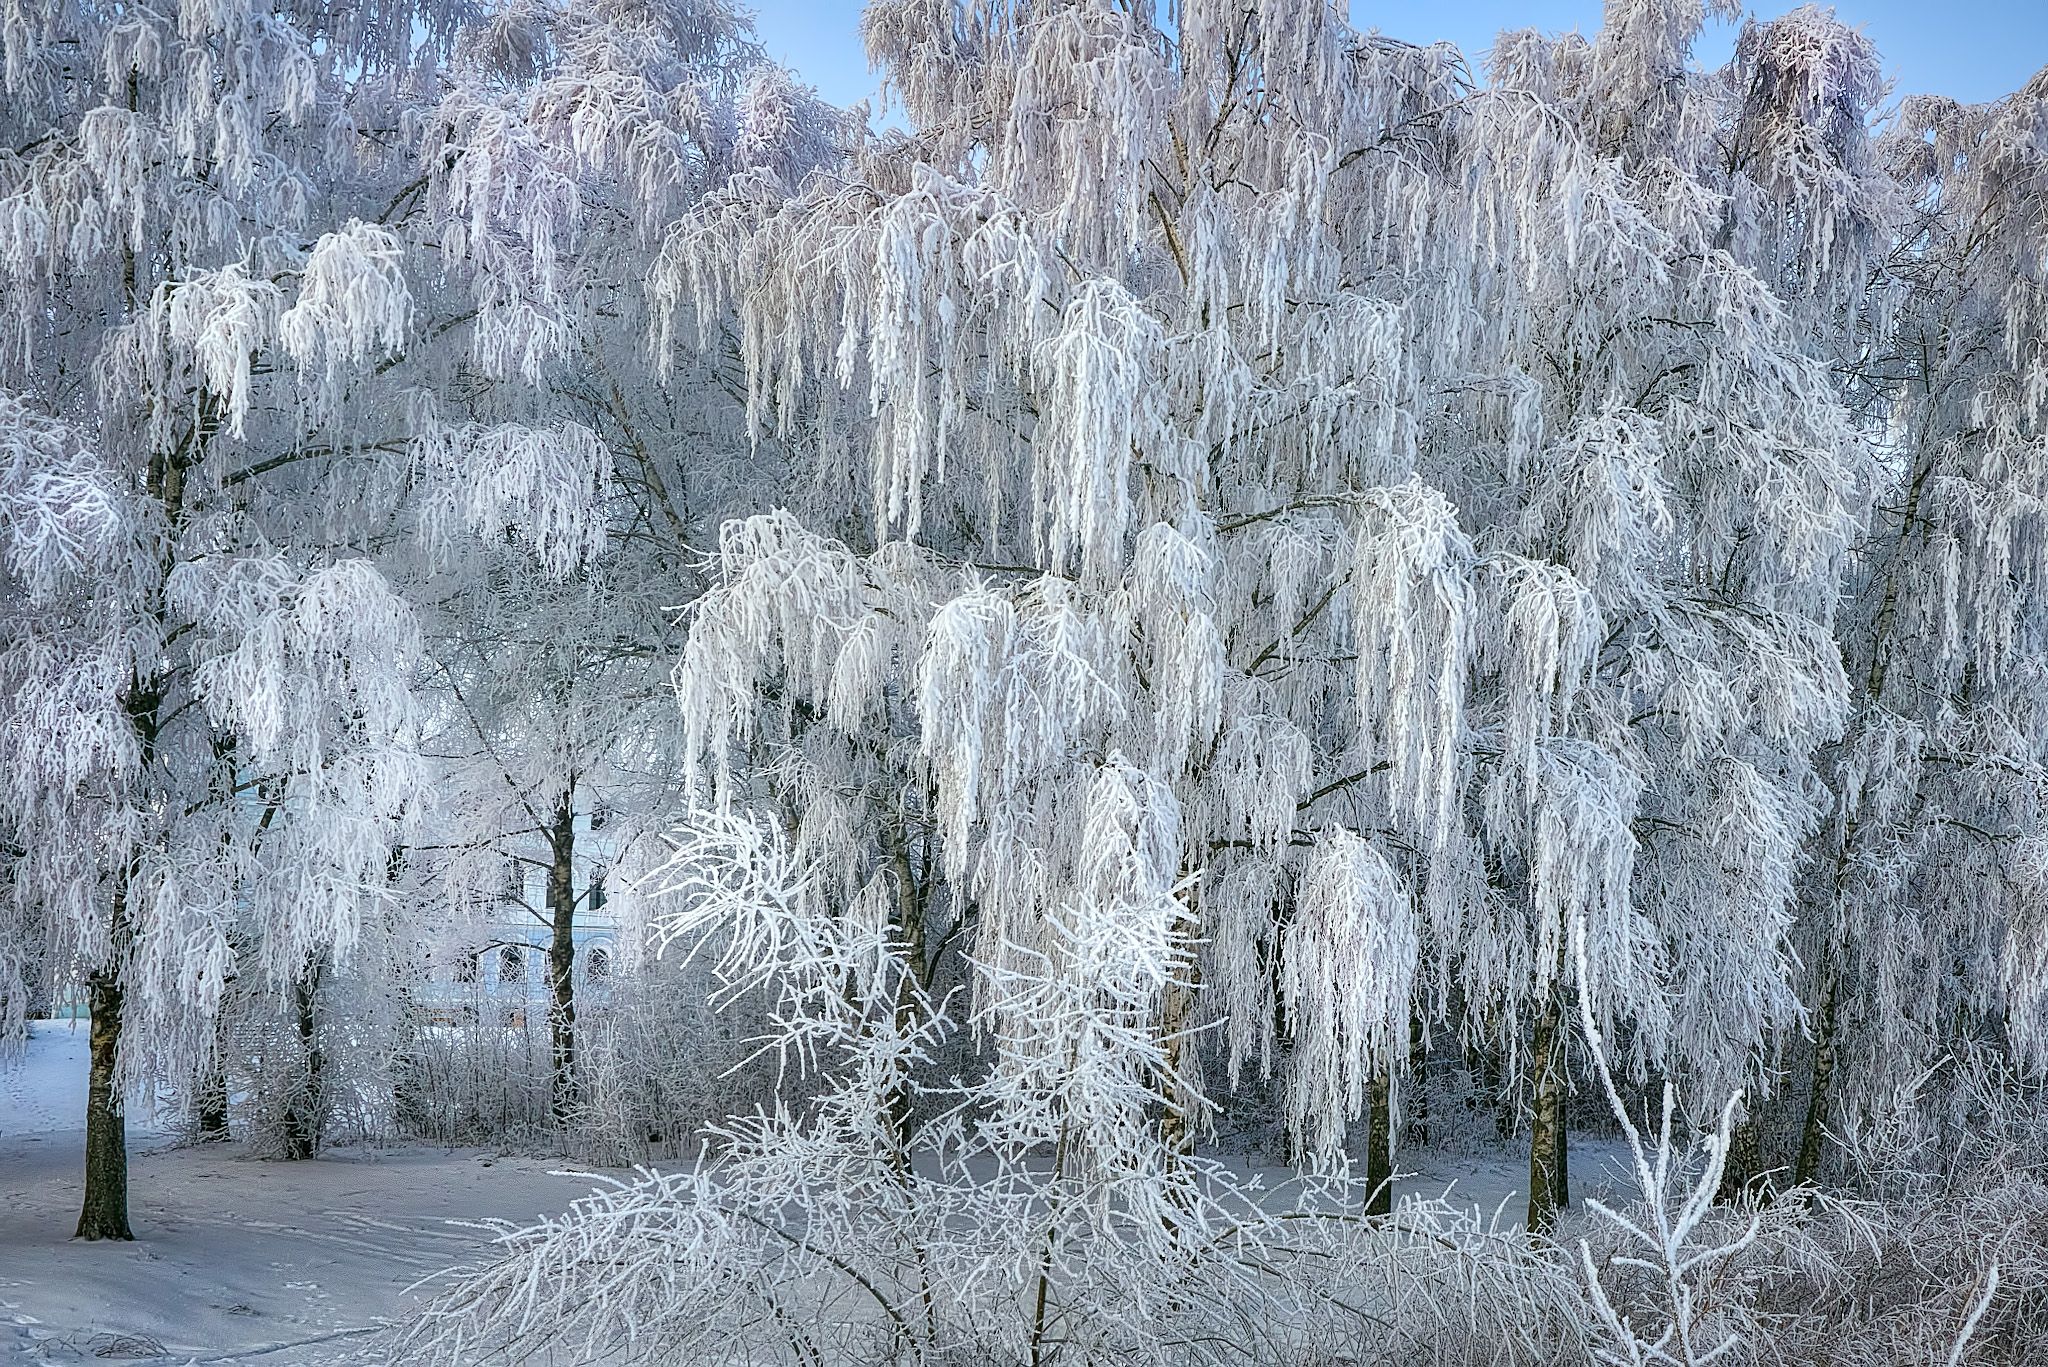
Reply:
x=910, y=925
x=306, y=1116
x=210, y=1092
x=562, y=956
x=1742, y=1173
x=1549, y=1180
x=1379, y=1143
x=1814, y=1132
x=211, y=1101
x=212, y=1104
x=1418, y=1082
x=105, y=1214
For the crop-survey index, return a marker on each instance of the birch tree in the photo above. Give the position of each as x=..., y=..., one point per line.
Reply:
x=1924, y=931
x=210, y=709
x=1300, y=540
x=564, y=137
x=1349, y=449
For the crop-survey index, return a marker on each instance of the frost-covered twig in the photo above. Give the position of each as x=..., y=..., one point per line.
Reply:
x=1670, y=1218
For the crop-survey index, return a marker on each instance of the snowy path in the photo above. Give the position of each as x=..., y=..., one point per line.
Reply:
x=236, y=1261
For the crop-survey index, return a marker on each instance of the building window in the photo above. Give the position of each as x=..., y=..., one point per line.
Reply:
x=465, y=968
x=512, y=964
x=597, y=891
x=597, y=963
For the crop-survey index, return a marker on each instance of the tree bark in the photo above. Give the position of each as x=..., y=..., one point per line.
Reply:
x=1379, y=1143
x=562, y=956
x=1176, y=1128
x=213, y=1104
x=1178, y=1121
x=1549, y=1179
x=910, y=925
x=1418, y=1081
x=1742, y=1173
x=306, y=1116
x=1814, y=1131
x=105, y=1213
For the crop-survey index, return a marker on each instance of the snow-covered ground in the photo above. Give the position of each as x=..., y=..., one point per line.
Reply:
x=301, y=1264
x=236, y=1260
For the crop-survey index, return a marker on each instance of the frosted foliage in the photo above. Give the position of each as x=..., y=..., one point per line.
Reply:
x=313, y=674
x=1098, y=380
x=785, y=601
x=1549, y=629
x=1411, y=605
x=352, y=304
x=1726, y=887
x=912, y=317
x=569, y=137
x=2024, y=957
x=1601, y=509
x=70, y=731
x=221, y=321
x=1042, y=1220
x=1171, y=608
x=738, y=874
x=292, y=646
x=1812, y=78
x=1078, y=1060
x=1348, y=961
x=502, y=182
x=1004, y=690
x=59, y=508
x=548, y=487
x=1668, y=1236
x=1085, y=91
x=1241, y=907
x=1581, y=867
x=228, y=266
x=1262, y=770
x=1452, y=465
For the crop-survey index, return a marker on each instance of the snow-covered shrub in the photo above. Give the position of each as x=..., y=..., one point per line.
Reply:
x=1939, y=1252
x=1941, y=1257
x=1954, y=1277
x=477, y=1081
x=1041, y=1218
x=659, y=1063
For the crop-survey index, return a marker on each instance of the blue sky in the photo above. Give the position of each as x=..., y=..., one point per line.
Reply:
x=1971, y=49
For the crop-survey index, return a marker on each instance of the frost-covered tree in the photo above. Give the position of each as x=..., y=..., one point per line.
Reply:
x=1431, y=489
x=570, y=488
x=210, y=718
x=1924, y=930
x=297, y=302
x=556, y=731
